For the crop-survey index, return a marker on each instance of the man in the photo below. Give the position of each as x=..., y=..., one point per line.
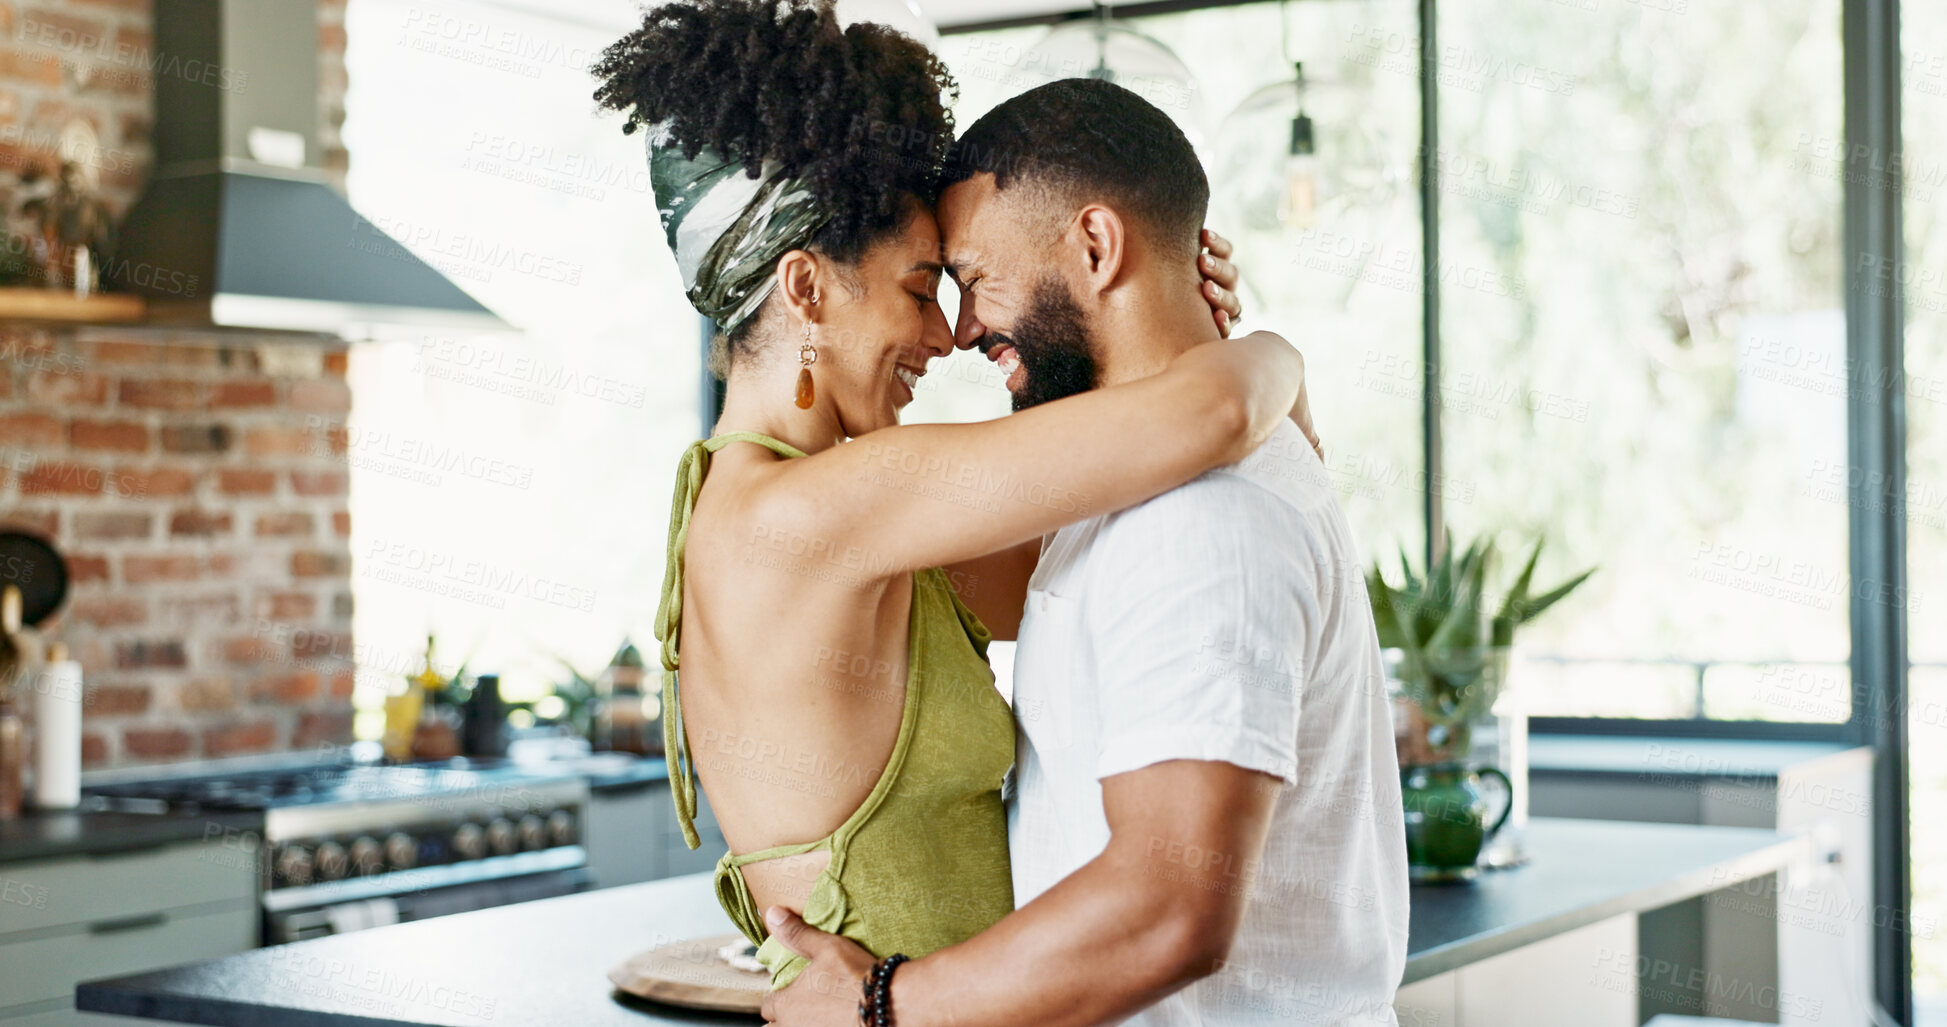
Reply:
x=1205, y=825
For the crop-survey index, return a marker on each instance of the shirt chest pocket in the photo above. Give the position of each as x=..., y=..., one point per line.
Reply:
x=1051, y=672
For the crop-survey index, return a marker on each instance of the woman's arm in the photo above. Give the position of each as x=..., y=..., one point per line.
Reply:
x=995, y=586
x=918, y=496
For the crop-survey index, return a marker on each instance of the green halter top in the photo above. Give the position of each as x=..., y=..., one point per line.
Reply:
x=922, y=863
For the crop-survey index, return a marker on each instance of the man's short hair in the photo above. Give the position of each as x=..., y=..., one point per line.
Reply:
x=1087, y=140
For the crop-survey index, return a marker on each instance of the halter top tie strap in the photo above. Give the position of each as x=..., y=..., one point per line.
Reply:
x=690, y=472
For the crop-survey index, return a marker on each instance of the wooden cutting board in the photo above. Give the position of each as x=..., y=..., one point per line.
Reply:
x=691, y=974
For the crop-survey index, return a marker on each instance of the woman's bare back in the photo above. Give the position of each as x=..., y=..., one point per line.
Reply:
x=793, y=675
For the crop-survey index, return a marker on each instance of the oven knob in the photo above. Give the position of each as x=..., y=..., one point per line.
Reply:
x=469, y=841
x=368, y=856
x=293, y=865
x=501, y=837
x=332, y=862
x=561, y=827
x=534, y=832
x=401, y=850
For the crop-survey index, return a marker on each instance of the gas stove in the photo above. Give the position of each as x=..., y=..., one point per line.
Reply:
x=348, y=845
x=328, y=784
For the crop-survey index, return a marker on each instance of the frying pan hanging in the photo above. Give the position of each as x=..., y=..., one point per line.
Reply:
x=42, y=576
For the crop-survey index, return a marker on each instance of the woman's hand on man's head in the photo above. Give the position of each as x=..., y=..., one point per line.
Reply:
x=1220, y=280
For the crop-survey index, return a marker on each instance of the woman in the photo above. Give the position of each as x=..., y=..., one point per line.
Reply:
x=834, y=694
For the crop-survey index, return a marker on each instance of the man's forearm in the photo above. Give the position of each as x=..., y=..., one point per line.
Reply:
x=1156, y=910
x=1105, y=942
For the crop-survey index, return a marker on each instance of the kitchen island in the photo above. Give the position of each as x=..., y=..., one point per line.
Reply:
x=544, y=963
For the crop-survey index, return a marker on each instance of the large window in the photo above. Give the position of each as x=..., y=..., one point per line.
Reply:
x=1665, y=396
x=1642, y=328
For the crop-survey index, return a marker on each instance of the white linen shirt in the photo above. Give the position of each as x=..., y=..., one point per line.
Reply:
x=1226, y=620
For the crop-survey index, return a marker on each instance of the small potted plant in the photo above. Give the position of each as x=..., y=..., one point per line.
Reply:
x=1448, y=652
x=422, y=720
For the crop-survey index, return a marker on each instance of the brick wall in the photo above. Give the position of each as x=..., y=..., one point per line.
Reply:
x=196, y=482
x=332, y=84
x=197, y=487
x=63, y=61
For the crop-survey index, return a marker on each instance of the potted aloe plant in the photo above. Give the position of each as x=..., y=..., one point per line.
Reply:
x=1448, y=648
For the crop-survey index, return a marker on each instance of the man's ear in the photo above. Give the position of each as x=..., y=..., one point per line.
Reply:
x=800, y=278
x=1104, y=241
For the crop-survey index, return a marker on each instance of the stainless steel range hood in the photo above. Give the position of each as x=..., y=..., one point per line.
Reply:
x=238, y=228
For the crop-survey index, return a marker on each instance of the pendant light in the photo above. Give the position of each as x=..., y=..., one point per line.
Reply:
x=1301, y=152
x=1301, y=161
x=1102, y=48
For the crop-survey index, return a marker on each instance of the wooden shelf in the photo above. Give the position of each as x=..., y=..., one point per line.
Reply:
x=59, y=305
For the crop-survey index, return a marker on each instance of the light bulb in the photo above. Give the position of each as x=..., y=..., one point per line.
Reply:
x=1302, y=166
x=1300, y=154
x=1300, y=175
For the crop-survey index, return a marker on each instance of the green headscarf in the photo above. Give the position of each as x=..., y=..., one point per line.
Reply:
x=728, y=229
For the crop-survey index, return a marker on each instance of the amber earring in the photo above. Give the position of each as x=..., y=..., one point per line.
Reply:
x=807, y=356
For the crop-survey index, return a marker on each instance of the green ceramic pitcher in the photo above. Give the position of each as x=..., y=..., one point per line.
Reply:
x=1449, y=819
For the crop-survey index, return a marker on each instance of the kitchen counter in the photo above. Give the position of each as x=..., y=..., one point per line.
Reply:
x=1666, y=758
x=53, y=834
x=544, y=963
x=1582, y=872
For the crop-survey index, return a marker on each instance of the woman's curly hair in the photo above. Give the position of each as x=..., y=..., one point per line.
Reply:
x=860, y=114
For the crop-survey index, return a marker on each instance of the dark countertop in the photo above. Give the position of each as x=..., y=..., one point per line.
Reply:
x=51, y=835
x=617, y=772
x=544, y=963
x=1663, y=758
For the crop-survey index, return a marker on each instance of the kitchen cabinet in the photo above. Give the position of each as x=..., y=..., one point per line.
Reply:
x=1811, y=925
x=72, y=918
x=1585, y=977
x=631, y=834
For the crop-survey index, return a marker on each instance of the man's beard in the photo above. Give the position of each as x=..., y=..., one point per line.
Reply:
x=1052, y=341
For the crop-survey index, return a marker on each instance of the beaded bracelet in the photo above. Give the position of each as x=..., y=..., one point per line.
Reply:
x=876, y=1010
